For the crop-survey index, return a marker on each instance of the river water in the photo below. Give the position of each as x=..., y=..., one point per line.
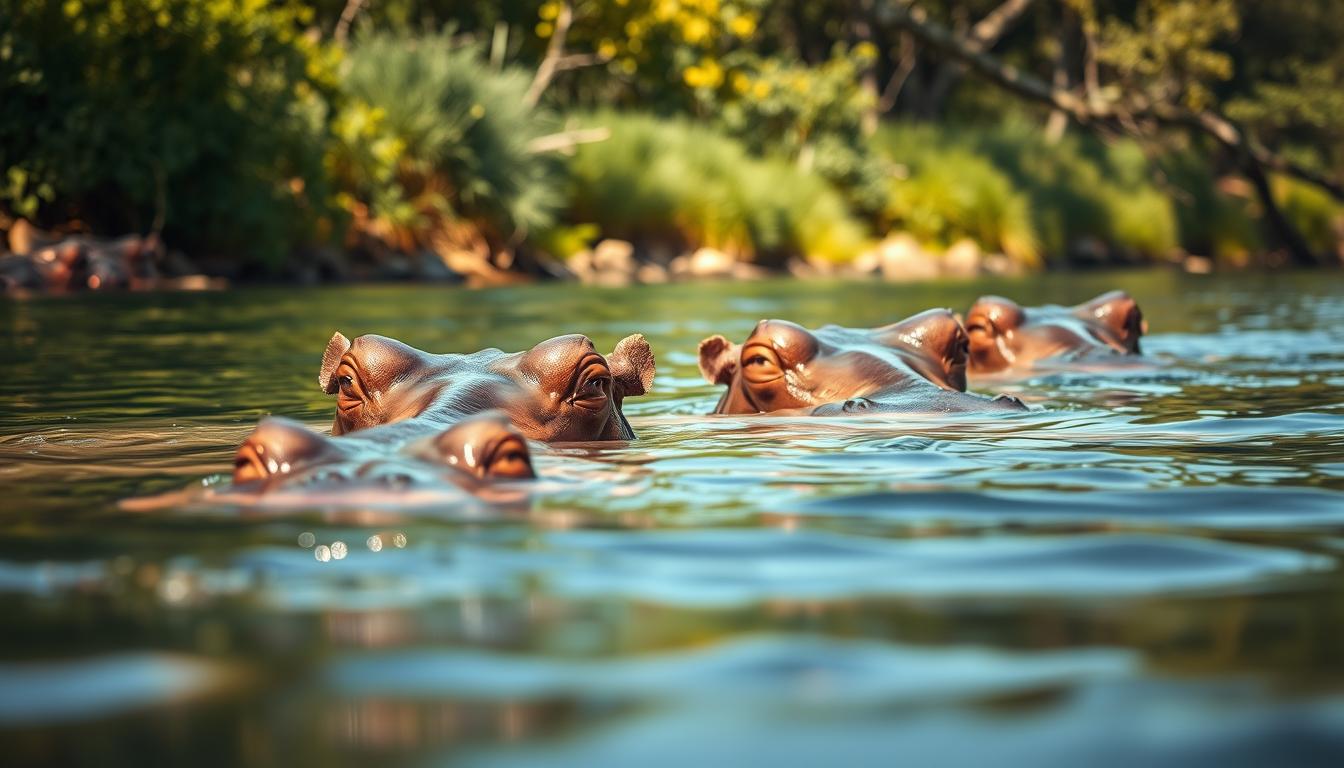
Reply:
x=1145, y=568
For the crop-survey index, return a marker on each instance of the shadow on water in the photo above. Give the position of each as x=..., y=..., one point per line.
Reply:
x=1146, y=567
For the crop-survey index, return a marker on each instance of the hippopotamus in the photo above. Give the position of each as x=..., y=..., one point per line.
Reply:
x=561, y=390
x=479, y=448
x=1007, y=338
x=915, y=365
x=283, y=464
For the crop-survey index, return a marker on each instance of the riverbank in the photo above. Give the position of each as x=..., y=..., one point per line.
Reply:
x=39, y=262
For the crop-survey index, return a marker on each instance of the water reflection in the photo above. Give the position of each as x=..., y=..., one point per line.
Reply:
x=1144, y=569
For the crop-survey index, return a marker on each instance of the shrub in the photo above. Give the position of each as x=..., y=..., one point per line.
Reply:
x=1074, y=191
x=431, y=137
x=1317, y=215
x=657, y=181
x=952, y=194
x=207, y=113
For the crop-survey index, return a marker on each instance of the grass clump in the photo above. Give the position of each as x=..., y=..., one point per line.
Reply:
x=656, y=181
x=433, y=138
x=1010, y=189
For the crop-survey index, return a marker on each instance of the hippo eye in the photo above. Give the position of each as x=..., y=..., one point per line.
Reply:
x=511, y=461
x=760, y=365
x=590, y=391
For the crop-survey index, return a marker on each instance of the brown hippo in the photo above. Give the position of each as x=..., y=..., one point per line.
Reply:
x=1005, y=337
x=480, y=448
x=918, y=364
x=284, y=464
x=561, y=390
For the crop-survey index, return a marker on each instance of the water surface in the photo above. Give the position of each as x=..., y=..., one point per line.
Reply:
x=1146, y=567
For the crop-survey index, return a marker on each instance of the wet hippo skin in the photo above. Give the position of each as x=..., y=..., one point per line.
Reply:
x=561, y=390
x=916, y=365
x=283, y=454
x=1008, y=338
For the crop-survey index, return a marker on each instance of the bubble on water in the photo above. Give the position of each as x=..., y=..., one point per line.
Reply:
x=175, y=588
x=307, y=539
x=399, y=541
x=322, y=553
x=338, y=550
x=375, y=543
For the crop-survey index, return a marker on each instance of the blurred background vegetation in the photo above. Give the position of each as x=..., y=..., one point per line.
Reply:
x=399, y=137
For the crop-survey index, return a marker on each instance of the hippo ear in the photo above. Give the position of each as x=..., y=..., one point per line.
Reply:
x=331, y=360
x=1117, y=311
x=632, y=365
x=718, y=359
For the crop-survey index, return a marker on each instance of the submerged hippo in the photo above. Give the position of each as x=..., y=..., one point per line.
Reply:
x=283, y=452
x=918, y=364
x=561, y=390
x=284, y=464
x=1005, y=337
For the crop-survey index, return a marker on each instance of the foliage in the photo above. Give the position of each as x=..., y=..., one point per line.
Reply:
x=952, y=194
x=658, y=181
x=1168, y=51
x=810, y=115
x=1011, y=190
x=208, y=113
x=1289, y=87
x=430, y=134
x=1319, y=217
x=250, y=128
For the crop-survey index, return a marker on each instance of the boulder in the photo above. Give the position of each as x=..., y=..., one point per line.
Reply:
x=1197, y=265
x=963, y=259
x=705, y=262
x=903, y=260
x=1001, y=264
x=651, y=273
x=614, y=256
x=581, y=265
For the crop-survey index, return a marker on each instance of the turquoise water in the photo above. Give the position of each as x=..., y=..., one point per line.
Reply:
x=1146, y=568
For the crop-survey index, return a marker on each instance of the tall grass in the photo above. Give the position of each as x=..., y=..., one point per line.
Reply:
x=431, y=132
x=657, y=181
x=1077, y=193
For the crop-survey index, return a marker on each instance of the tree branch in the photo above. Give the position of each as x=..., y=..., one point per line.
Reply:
x=887, y=100
x=565, y=141
x=352, y=9
x=555, y=51
x=982, y=36
x=1251, y=157
x=988, y=30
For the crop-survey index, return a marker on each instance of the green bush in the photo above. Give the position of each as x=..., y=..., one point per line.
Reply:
x=431, y=134
x=1075, y=191
x=1317, y=215
x=208, y=113
x=953, y=194
x=657, y=181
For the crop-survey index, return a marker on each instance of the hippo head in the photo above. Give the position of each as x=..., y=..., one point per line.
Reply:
x=782, y=365
x=933, y=343
x=1005, y=335
x=1115, y=319
x=284, y=453
x=561, y=390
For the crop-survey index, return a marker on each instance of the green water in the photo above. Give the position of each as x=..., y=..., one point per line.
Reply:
x=1146, y=569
